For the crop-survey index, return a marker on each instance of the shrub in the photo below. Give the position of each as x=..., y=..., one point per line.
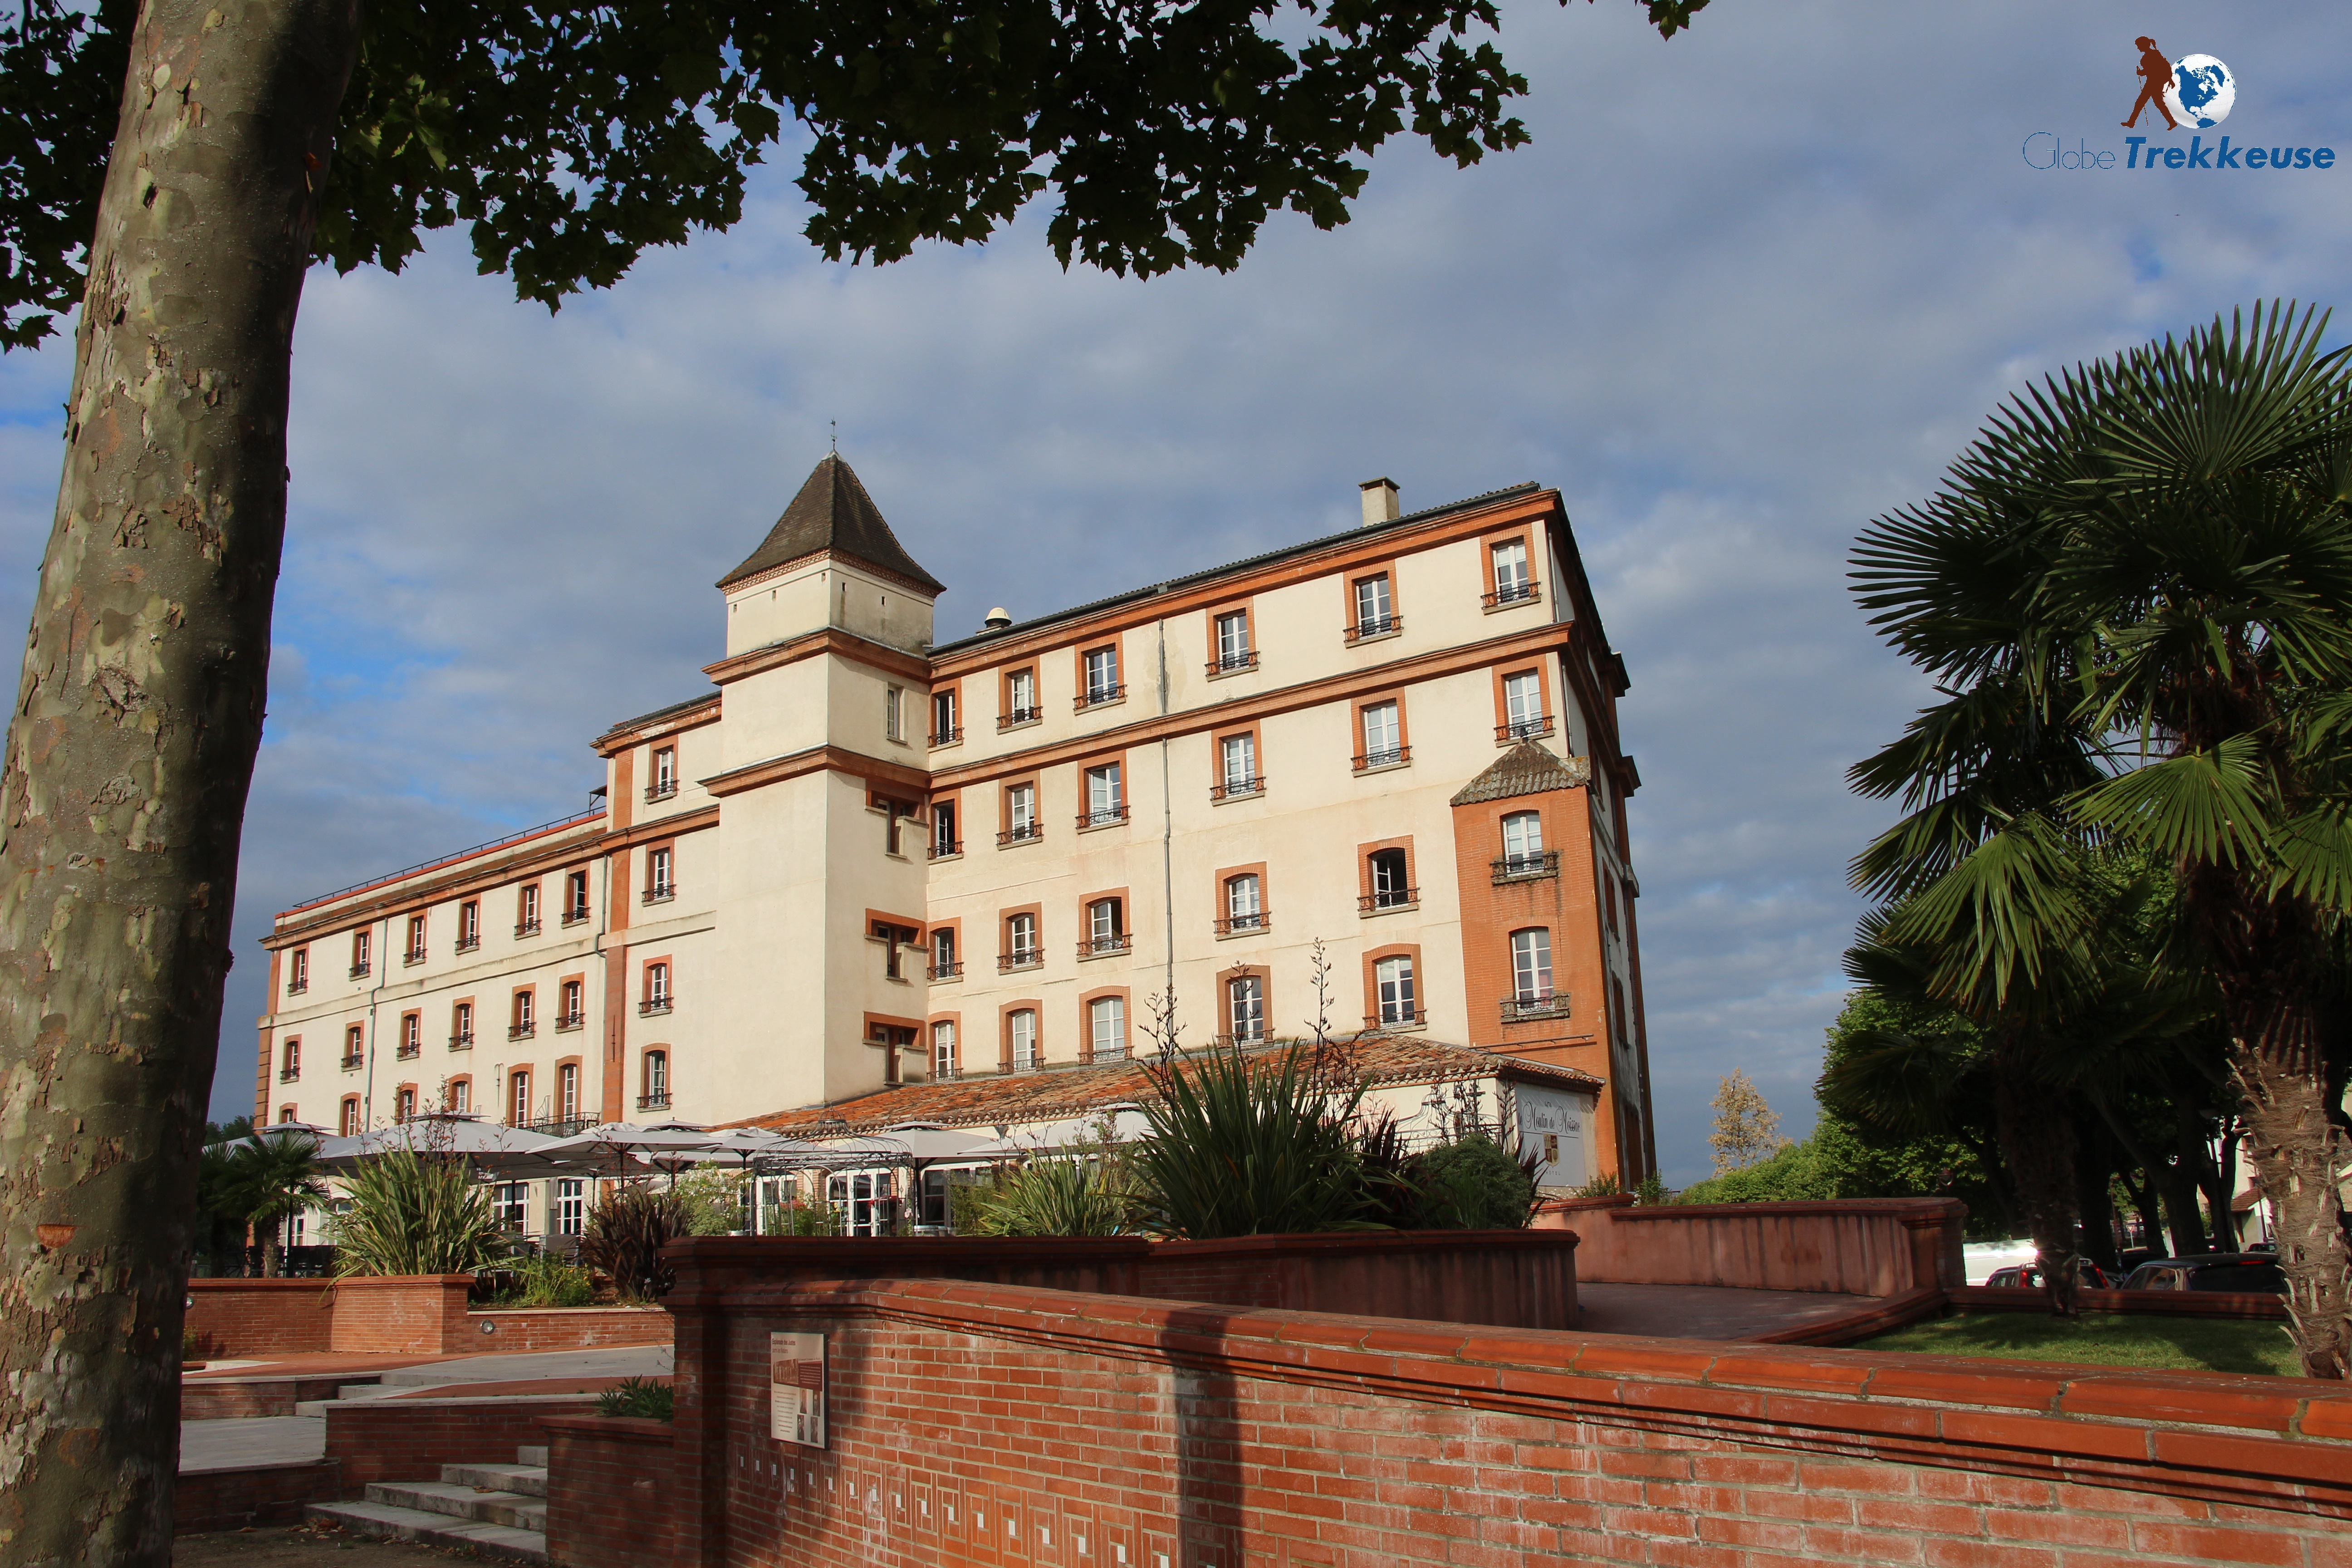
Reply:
x=627, y=1231
x=798, y=1218
x=549, y=1281
x=1471, y=1184
x=413, y=1214
x=1795, y=1172
x=717, y=1201
x=1251, y=1146
x=1604, y=1186
x=1083, y=1195
x=635, y=1396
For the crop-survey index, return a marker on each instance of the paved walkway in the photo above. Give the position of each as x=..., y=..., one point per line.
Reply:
x=561, y=1370
x=1705, y=1311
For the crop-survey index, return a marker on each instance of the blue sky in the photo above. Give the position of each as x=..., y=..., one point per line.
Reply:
x=1749, y=288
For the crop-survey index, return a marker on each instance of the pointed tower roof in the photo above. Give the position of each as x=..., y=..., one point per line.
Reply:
x=1526, y=769
x=834, y=512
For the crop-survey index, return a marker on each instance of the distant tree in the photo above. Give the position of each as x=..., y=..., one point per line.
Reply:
x=177, y=167
x=1746, y=1128
x=273, y=1179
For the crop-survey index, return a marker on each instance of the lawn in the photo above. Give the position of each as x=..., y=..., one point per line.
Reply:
x=2104, y=1338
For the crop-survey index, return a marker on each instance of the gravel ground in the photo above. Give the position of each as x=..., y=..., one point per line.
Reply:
x=306, y=1546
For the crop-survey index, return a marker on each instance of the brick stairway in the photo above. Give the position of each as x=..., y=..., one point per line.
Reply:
x=497, y=1510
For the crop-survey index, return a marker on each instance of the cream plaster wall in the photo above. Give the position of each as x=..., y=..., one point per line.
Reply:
x=826, y=591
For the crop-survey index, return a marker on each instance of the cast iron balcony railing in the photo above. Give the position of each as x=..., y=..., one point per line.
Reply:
x=1524, y=592
x=576, y=915
x=467, y=943
x=1226, y=663
x=463, y=1040
x=659, y=893
x=655, y=1101
x=289, y=1075
x=353, y=1064
x=559, y=1127
x=1109, y=816
x=1096, y=696
x=652, y=1005
x=946, y=737
x=295, y=987
x=949, y=970
x=521, y=1031
x=942, y=851
x=1386, y=757
x=1381, y=898
x=526, y=928
x=661, y=789
x=1020, y=958
x=1245, y=925
x=413, y=957
x=1012, y=717
x=1238, y=788
x=408, y=1053
x=1101, y=946
x=1524, y=729
x=1531, y=868
x=565, y=1022
x=359, y=971
x=1375, y=626
x=1021, y=833
x=1397, y=1019
x=1529, y=1004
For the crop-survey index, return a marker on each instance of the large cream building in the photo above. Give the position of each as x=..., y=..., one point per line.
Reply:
x=868, y=862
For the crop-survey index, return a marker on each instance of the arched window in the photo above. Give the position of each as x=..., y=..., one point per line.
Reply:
x=1107, y=1027
x=461, y=1095
x=293, y=1067
x=1392, y=988
x=285, y=1113
x=1105, y=926
x=351, y=1118
x=1245, y=902
x=1021, y=1031
x=657, y=1094
x=943, y=1049
x=354, y=1045
x=461, y=1025
x=1021, y=942
x=1245, y=1007
x=404, y=1104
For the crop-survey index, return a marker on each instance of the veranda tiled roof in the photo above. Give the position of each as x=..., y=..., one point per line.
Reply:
x=834, y=512
x=1526, y=769
x=1005, y=1099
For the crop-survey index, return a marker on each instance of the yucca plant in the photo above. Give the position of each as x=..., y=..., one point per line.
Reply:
x=627, y=1231
x=415, y=1214
x=1061, y=1194
x=637, y=1396
x=1250, y=1145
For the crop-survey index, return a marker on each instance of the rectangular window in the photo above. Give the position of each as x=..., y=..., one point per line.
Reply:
x=656, y=1095
x=1233, y=650
x=943, y=1051
x=1383, y=734
x=523, y=1024
x=404, y=1105
x=574, y=1006
x=1020, y=813
x=572, y=1206
x=658, y=995
x=461, y=1096
x=1391, y=881
x=297, y=971
x=575, y=897
x=1022, y=1028
x=1106, y=800
x=510, y=1203
x=664, y=782
x=944, y=729
x=1102, y=676
x=1021, y=946
x=527, y=911
x=1375, y=612
x=290, y=1067
x=354, y=1045
x=894, y=700
x=521, y=1098
x=1020, y=699
x=412, y=1033
x=1393, y=991
x=359, y=953
x=1523, y=847
x=416, y=953
x=1107, y=1027
x=1244, y=905
x=1531, y=966
x=469, y=926
x=1245, y=1007
x=1105, y=926
x=944, y=841
x=1523, y=710
x=461, y=1025
x=944, y=963
x=1513, y=583
x=351, y=1122
x=567, y=1091
x=658, y=884
x=1237, y=765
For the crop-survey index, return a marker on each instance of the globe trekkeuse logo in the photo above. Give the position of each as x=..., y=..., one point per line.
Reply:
x=2194, y=93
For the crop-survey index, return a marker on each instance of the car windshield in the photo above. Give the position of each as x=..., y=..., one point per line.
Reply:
x=2254, y=1275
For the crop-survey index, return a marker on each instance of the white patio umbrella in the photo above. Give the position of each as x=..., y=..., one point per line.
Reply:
x=490, y=1147
x=660, y=1146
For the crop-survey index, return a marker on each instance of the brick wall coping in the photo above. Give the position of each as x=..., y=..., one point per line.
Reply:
x=639, y=1429
x=1420, y=1242
x=394, y=1281
x=2270, y=1442
x=559, y=1311
x=232, y=1283
x=1908, y=1209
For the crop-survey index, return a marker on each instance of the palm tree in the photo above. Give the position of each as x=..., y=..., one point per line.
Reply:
x=273, y=1177
x=2150, y=559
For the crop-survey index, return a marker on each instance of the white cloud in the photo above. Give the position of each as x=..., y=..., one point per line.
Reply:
x=1750, y=287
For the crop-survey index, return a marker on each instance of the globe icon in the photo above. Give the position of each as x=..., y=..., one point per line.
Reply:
x=2202, y=92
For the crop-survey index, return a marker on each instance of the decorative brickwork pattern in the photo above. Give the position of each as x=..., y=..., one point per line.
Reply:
x=1009, y=1426
x=608, y=1492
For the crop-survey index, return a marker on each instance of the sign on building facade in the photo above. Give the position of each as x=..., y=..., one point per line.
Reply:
x=1551, y=1123
x=796, y=1389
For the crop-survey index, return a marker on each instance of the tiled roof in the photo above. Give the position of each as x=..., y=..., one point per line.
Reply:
x=834, y=512
x=1526, y=769
x=644, y=718
x=1009, y=1100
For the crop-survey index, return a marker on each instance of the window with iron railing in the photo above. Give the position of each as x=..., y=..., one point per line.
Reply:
x=1380, y=726
x=1375, y=609
x=1020, y=823
x=1237, y=773
x=1389, y=878
x=657, y=1082
x=1102, y=682
x=1105, y=797
x=355, y=1047
x=1532, y=995
x=527, y=911
x=1022, y=947
x=946, y=726
x=575, y=897
x=1394, y=1001
x=944, y=965
x=1019, y=700
x=944, y=842
x=664, y=784
x=297, y=971
x=411, y=1036
x=469, y=926
x=1514, y=583
x=1021, y=1035
x=1523, y=708
x=1105, y=929
x=1246, y=1008
x=1107, y=1028
x=1234, y=649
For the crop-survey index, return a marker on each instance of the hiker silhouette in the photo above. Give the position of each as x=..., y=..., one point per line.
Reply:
x=2157, y=74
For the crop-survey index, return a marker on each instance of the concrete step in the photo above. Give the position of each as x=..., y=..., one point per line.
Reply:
x=372, y=1389
x=388, y=1522
x=459, y=1501
x=529, y=1480
x=532, y=1456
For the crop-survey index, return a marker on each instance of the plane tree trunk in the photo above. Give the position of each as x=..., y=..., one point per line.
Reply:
x=129, y=754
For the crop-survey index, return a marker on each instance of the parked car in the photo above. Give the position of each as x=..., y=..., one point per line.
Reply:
x=2088, y=1275
x=2252, y=1273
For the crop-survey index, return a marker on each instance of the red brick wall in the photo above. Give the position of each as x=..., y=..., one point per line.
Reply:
x=263, y=1494
x=1866, y=1247
x=1516, y=1278
x=608, y=1492
x=1001, y=1424
x=531, y=1329
x=409, y=1314
x=239, y=1317
x=222, y=1398
x=411, y=1439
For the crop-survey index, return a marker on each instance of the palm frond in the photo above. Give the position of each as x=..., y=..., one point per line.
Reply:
x=2207, y=807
